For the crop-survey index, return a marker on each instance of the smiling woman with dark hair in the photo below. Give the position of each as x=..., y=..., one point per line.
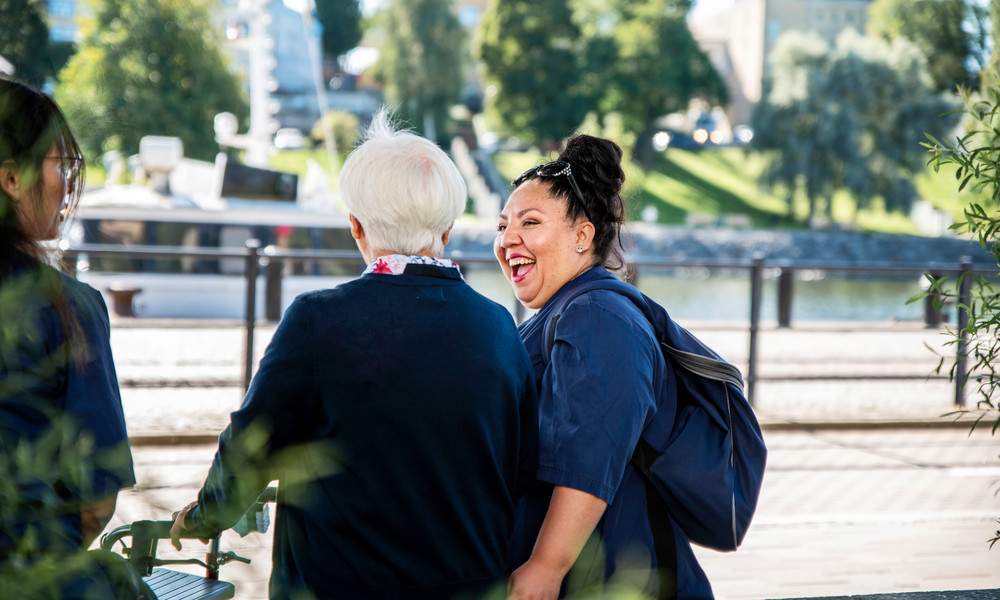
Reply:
x=599, y=378
x=57, y=376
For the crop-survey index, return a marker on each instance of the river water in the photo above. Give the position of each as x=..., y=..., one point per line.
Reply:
x=697, y=295
x=693, y=294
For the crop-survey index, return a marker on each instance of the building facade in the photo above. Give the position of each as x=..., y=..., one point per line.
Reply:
x=740, y=39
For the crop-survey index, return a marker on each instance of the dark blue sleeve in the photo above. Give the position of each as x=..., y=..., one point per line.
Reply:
x=93, y=399
x=597, y=393
x=268, y=430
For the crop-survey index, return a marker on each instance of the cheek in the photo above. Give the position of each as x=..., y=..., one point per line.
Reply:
x=500, y=253
x=53, y=188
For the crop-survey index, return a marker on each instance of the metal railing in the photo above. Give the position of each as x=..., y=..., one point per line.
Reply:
x=271, y=259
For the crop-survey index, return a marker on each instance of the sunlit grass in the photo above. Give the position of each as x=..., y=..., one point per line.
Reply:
x=717, y=181
x=297, y=162
x=512, y=164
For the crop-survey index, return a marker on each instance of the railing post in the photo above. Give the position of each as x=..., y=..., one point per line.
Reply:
x=756, y=283
x=272, y=286
x=932, y=314
x=786, y=289
x=250, y=318
x=964, y=300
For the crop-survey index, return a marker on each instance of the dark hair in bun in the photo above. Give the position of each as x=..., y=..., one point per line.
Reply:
x=597, y=168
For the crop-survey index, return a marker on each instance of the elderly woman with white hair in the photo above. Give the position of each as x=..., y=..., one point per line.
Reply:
x=397, y=411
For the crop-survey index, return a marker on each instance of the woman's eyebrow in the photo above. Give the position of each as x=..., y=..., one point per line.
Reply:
x=521, y=213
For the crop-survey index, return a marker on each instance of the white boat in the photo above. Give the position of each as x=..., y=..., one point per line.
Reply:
x=197, y=205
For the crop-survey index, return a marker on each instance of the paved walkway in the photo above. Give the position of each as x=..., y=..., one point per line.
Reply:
x=820, y=374
x=902, y=501
x=842, y=513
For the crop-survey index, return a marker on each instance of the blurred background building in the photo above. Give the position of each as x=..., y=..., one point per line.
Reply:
x=739, y=38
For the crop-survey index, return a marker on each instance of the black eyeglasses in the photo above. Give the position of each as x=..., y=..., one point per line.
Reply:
x=69, y=166
x=553, y=169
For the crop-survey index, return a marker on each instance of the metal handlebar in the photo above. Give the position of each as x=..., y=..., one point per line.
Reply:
x=146, y=534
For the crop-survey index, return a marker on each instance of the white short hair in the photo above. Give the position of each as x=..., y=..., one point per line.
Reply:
x=402, y=188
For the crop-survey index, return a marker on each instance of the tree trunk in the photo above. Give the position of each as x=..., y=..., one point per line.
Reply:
x=644, y=147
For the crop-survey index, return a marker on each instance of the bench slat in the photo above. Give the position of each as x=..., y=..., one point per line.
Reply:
x=174, y=585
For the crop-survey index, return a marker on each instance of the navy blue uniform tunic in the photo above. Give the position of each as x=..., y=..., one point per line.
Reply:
x=398, y=413
x=45, y=385
x=598, y=391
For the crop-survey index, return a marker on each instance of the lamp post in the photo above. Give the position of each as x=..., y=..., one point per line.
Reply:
x=306, y=8
x=261, y=82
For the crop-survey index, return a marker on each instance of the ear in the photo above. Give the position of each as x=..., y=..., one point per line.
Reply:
x=585, y=231
x=447, y=235
x=10, y=179
x=357, y=230
x=358, y=233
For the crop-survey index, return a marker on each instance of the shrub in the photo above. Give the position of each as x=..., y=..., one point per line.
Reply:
x=346, y=129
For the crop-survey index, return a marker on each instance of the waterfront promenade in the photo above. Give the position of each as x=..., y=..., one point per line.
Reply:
x=868, y=489
x=877, y=373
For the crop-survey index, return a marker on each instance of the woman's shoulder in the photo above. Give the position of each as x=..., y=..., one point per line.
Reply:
x=603, y=299
x=42, y=281
x=82, y=295
x=603, y=303
x=603, y=316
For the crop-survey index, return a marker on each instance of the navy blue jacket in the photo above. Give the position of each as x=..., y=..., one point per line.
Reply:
x=398, y=413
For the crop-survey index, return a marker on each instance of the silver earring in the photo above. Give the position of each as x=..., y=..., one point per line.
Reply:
x=579, y=248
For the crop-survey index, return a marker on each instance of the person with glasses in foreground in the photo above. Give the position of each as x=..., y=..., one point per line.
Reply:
x=561, y=227
x=397, y=411
x=63, y=440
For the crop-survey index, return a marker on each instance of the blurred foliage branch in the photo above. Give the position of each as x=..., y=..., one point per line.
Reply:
x=975, y=155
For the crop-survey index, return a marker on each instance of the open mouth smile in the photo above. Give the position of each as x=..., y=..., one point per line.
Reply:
x=520, y=267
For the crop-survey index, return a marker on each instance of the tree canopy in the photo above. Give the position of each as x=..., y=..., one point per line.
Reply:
x=421, y=61
x=659, y=67
x=952, y=34
x=553, y=64
x=24, y=40
x=848, y=118
x=341, y=20
x=149, y=68
x=534, y=56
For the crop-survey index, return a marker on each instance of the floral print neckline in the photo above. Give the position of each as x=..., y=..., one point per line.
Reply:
x=395, y=264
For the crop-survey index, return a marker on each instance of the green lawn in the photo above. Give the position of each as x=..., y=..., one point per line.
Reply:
x=714, y=183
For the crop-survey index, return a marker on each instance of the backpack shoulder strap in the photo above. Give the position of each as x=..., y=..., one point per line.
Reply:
x=669, y=334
